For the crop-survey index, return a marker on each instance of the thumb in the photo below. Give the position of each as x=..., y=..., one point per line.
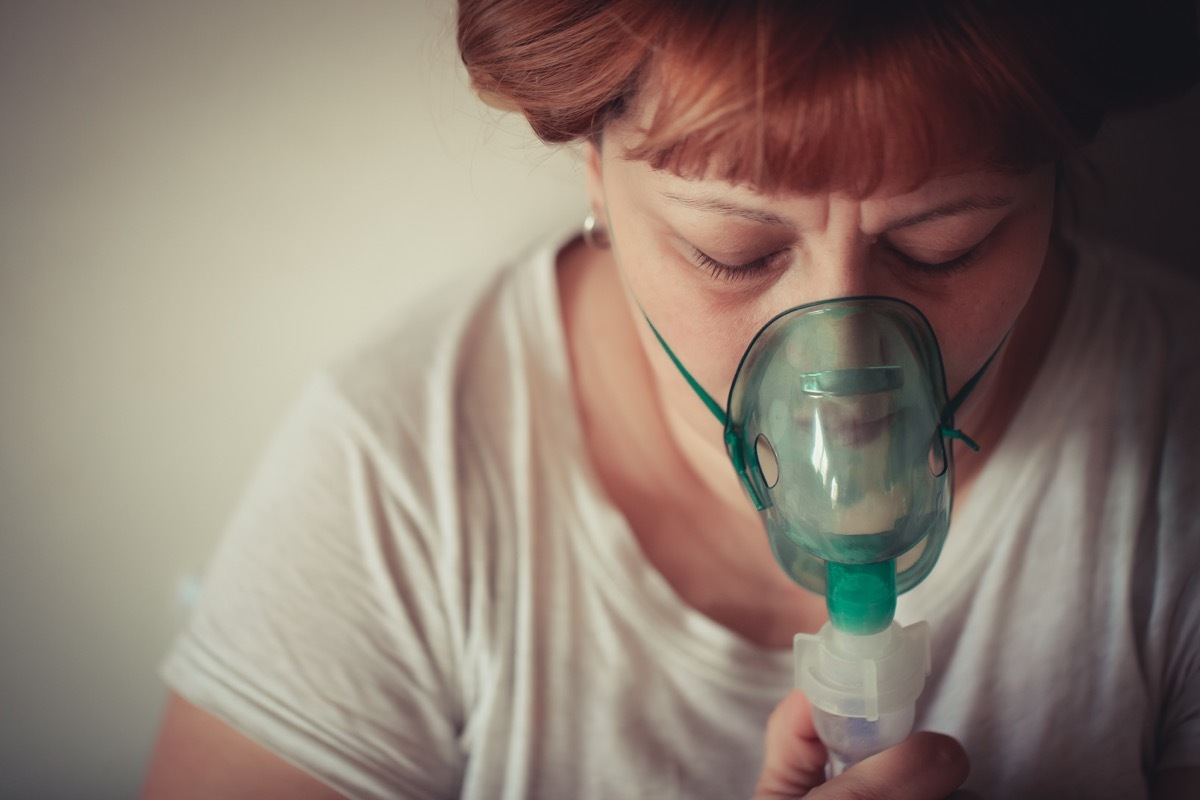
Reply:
x=925, y=766
x=794, y=758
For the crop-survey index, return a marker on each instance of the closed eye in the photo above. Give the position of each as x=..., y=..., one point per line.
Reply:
x=733, y=272
x=950, y=265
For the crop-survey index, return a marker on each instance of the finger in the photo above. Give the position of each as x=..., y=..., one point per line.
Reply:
x=794, y=758
x=922, y=767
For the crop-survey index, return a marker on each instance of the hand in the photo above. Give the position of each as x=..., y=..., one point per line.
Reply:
x=923, y=767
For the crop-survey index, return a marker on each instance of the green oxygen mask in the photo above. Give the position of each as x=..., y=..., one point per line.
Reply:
x=837, y=425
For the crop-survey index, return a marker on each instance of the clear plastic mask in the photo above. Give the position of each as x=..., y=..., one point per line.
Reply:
x=836, y=424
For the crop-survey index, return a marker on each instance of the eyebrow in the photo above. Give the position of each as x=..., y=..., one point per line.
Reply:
x=954, y=207
x=723, y=207
x=961, y=206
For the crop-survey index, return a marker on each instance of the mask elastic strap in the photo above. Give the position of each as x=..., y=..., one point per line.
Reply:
x=711, y=404
x=947, y=425
x=731, y=438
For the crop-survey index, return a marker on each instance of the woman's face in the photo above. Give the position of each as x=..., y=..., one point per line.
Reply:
x=710, y=262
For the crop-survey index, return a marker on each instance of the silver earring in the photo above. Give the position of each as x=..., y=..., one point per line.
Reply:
x=594, y=234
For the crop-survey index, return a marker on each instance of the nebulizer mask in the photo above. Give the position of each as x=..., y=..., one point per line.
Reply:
x=837, y=425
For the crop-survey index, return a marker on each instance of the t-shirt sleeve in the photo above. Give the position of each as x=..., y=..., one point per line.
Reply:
x=1178, y=574
x=1180, y=724
x=323, y=630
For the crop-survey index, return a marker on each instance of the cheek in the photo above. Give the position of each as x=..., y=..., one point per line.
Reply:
x=707, y=340
x=706, y=333
x=991, y=299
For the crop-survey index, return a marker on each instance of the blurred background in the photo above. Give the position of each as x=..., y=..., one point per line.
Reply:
x=200, y=203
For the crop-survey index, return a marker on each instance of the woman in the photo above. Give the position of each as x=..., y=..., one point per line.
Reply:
x=500, y=550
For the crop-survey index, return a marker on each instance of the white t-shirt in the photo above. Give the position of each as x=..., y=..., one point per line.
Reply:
x=426, y=593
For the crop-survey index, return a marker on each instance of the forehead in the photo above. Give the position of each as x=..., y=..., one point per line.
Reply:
x=945, y=196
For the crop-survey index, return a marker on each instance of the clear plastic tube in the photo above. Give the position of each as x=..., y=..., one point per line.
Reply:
x=863, y=688
x=851, y=739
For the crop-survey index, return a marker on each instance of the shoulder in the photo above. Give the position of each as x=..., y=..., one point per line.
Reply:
x=1112, y=420
x=1133, y=294
x=442, y=360
x=1153, y=319
x=1147, y=320
x=442, y=410
x=1128, y=347
x=1138, y=321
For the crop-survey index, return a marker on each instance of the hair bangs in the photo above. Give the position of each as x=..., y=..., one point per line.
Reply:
x=837, y=98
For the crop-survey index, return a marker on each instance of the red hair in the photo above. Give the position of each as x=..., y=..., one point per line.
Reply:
x=824, y=94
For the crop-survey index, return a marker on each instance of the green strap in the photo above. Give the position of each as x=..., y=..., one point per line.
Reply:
x=947, y=426
x=716, y=410
x=955, y=433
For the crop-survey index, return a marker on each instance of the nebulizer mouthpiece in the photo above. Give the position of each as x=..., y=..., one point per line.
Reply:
x=837, y=424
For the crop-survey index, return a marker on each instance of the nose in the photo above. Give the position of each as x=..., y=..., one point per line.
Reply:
x=829, y=267
x=844, y=342
x=829, y=270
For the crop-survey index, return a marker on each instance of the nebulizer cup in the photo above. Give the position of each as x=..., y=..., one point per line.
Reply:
x=836, y=424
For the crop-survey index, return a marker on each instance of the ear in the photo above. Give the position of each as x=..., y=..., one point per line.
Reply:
x=593, y=175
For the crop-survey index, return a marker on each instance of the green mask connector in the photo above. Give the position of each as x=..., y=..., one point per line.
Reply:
x=861, y=598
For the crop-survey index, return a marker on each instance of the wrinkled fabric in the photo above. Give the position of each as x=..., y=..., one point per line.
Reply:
x=425, y=593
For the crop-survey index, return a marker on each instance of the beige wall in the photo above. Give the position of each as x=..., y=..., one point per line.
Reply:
x=199, y=203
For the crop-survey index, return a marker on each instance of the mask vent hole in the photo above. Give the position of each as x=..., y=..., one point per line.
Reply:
x=768, y=463
x=937, y=455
